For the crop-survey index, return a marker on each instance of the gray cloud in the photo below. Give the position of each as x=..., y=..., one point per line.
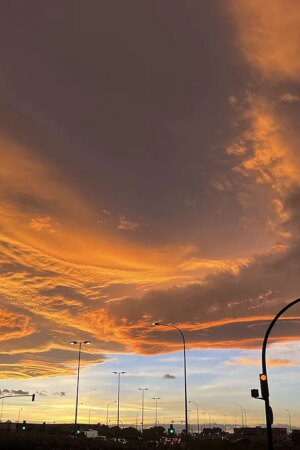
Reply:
x=13, y=392
x=42, y=393
x=167, y=376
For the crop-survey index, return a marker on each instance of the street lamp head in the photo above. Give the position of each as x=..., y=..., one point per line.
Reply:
x=87, y=342
x=154, y=324
x=73, y=343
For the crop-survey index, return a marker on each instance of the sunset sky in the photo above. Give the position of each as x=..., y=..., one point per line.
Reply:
x=150, y=171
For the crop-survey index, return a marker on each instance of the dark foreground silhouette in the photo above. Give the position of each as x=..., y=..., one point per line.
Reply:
x=36, y=441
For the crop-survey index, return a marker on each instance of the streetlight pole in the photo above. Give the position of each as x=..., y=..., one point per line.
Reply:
x=143, y=392
x=245, y=415
x=78, y=371
x=184, y=372
x=118, y=408
x=14, y=396
x=156, y=398
x=137, y=419
x=242, y=413
x=290, y=423
x=264, y=377
x=190, y=427
x=19, y=414
x=2, y=409
x=209, y=415
x=204, y=424
x=195, y=403
x=107, y=408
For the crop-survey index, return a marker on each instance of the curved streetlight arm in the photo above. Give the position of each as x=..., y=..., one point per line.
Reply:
x=242, y=411
x=264, y=346
x=107, y=408
x=184, y=372
x=198, y=425
x=185, y=382
x=263, y=375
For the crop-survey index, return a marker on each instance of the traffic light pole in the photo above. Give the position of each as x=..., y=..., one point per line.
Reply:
x=14, y=396
x=264, y=377
x=19, y=395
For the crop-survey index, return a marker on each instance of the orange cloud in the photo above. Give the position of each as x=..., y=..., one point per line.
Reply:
x=215, y=264
x=290, y=98
x=85, y=280
x=269, y=36
x=42, y=223
x=246, y=361
x=267, y=153
x=14, y=326
x=268, y=166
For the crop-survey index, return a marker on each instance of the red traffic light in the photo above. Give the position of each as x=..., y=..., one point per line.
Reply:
x=264, y=385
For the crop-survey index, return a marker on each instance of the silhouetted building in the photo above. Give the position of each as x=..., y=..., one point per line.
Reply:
x=259, y=433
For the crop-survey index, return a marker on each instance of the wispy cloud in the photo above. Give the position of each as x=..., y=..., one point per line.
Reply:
x=126, y=224
x=269, y=36
x=245, y=361
x=60, y=394
x=289, y=98
x=13, y=392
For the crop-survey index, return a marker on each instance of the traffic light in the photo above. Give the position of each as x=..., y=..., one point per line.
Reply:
x=254, y=393
x=171, y=430
x=24, y=426
x=33, y=397
x=77, y=432
x=264, y=385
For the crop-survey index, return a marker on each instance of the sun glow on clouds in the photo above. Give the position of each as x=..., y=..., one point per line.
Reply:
x=55, y=288
x=269, y=36
x=66, y=272
x=257, y=362
x=53, y=294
